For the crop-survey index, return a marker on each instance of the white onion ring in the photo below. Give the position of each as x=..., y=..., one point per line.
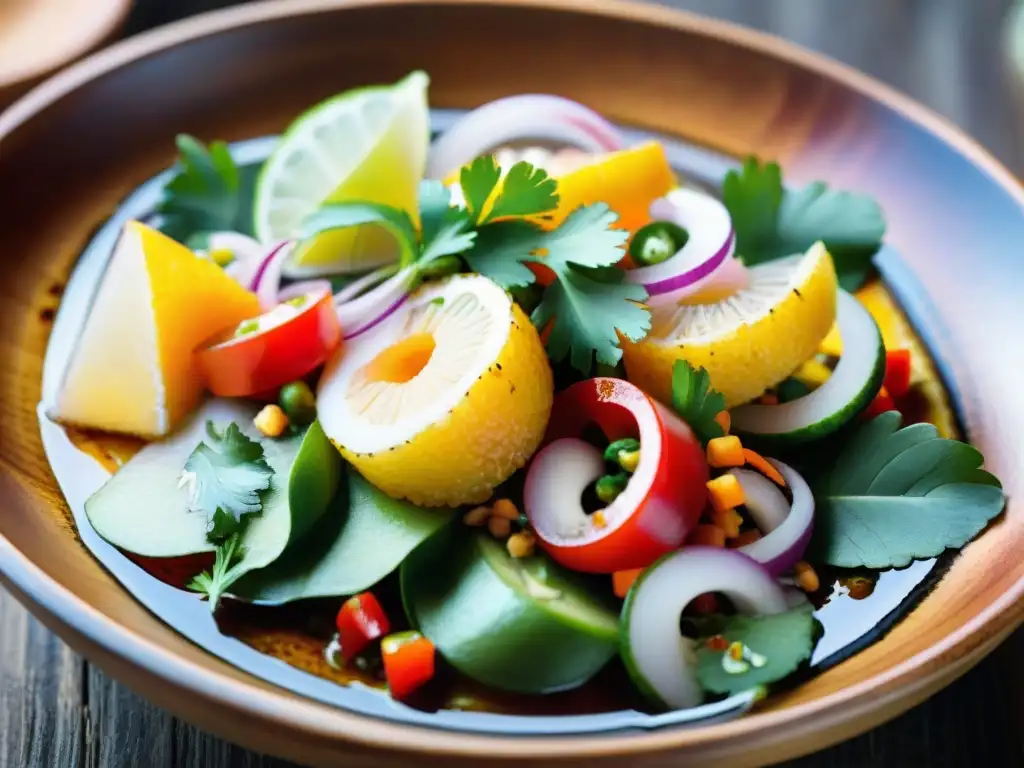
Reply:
x=302, y=288
x=529, y=116
x=363, y=284
x=785, y=542
x=709, y=248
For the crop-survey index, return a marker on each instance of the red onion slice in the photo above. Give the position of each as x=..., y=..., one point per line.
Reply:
x=540, y=117
x=371, y=308
x=363, y=284
x=658, y=659
x=787, y=527
x=303, y=288
x=267, y=281
x=711, y=244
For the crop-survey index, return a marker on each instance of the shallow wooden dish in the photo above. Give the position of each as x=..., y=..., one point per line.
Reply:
x=75, y=146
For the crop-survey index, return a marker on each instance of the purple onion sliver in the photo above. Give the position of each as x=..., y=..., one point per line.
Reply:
x=676, y=282
x=258, y=276
x=377, y=320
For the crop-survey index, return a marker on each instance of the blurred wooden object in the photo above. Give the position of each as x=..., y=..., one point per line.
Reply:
x=40, y=36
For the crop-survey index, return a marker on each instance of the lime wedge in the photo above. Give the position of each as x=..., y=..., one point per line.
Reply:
x=368, y=144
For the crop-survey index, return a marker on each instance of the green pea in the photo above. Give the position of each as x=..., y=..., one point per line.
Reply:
x=608, y=487
x=298, y=403
x=656, y=242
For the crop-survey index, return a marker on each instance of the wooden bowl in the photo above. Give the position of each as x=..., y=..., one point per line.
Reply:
x=38, y=36
x=77, y=144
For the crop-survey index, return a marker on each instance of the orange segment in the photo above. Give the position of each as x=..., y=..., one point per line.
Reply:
x=133, y=370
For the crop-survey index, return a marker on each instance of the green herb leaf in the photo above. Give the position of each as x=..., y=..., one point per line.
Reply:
x=695, y=401
x=226, y=474
x=771, y=222
x=478, y=180
x=454, y=236
x=527, y=191
x=208, y=192
x=342, y=215
x=500, y=250
x=783, y=641
x=435, y=204
x=213, y=584
x=897, y=495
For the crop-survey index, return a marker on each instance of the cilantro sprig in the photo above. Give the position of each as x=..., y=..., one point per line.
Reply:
x=498, y=230
x=897, y=495
x=225, y=475
x=695, y=401
x=771, y=222
x=213, y=584
x=208, y=192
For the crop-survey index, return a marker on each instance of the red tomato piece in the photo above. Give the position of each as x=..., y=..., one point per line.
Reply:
x=882, y=403
x=283, y=345
x=663, y=499
x=897, y=372
x=408, y=662
x=360, y=621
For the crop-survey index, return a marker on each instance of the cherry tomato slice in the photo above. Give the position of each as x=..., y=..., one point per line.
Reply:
x=661, y=503
x=280, y=346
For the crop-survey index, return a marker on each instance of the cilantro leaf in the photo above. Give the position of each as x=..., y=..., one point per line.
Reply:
x=587, y=312
x=695, y=401
x=500, y=249
x=771, y=222
x=214, y=583
x=526, y=191
x=455, y=235
x=478, y=180
x=435, y=205
x=209, y=192
x=783, y=641
x=341, y=215
x=225, y=475
x=897, y=495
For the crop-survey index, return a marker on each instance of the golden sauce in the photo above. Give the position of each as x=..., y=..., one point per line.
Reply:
x=299, y=632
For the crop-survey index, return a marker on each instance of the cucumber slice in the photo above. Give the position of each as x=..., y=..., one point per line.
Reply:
x=848, y=391
x=659, y=660
x=520, y=625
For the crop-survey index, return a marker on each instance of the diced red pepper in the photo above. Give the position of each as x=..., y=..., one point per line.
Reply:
x=623, y=580
x=408, y=662
x=897, y=372
x=360, y=621
x=882, y=403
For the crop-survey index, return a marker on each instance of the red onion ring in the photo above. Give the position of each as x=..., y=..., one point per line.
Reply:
x=267, y=281
x=710, y=246
x=302, y=288
x=377, y=320
x=514, y=118
x=364, y=312
x=785, y=536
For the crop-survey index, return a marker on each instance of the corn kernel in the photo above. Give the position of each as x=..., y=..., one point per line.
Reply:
x=506, y=508
x=520, y=545
x=806, y=577
x=599, y=519
x=499, y=527
x=271, y=421
x=477, y=516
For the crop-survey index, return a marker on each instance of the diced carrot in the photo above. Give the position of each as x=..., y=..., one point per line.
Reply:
x=725, y=492
x=897, y=372
x=746, y=537
x=882, y=403
x=623, y=580
x=728, y=521
x=707, y=535
x=758, y=462
x=724, y=420
x=705, y=604
x=725, y=452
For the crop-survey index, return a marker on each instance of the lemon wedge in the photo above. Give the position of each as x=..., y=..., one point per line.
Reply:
x=748, y=341
x=445, y=399
x=133, y=370
x=367, y=144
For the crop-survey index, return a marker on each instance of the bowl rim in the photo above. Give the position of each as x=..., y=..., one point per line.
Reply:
x=104, y=19
x=893, y=689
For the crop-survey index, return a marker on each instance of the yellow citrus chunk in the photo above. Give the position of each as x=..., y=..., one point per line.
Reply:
x=133, y=369
x=445, y=399
x=749, y=341
x=628, y=181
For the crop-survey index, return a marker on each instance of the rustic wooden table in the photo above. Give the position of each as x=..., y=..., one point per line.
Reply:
x=58, y=710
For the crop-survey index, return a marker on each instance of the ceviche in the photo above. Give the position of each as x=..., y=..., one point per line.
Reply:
x=515, y=405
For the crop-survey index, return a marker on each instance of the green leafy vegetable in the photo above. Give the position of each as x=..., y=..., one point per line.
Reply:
x=226, y=567
x=896, y=495
x=695, y=401
x=775, y=647
x=526, y=190
x=771, y=222
x=588, y=302
x=225, y=475
x=208, y=193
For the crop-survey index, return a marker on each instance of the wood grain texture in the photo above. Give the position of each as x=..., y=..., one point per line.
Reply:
x=944, y=53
